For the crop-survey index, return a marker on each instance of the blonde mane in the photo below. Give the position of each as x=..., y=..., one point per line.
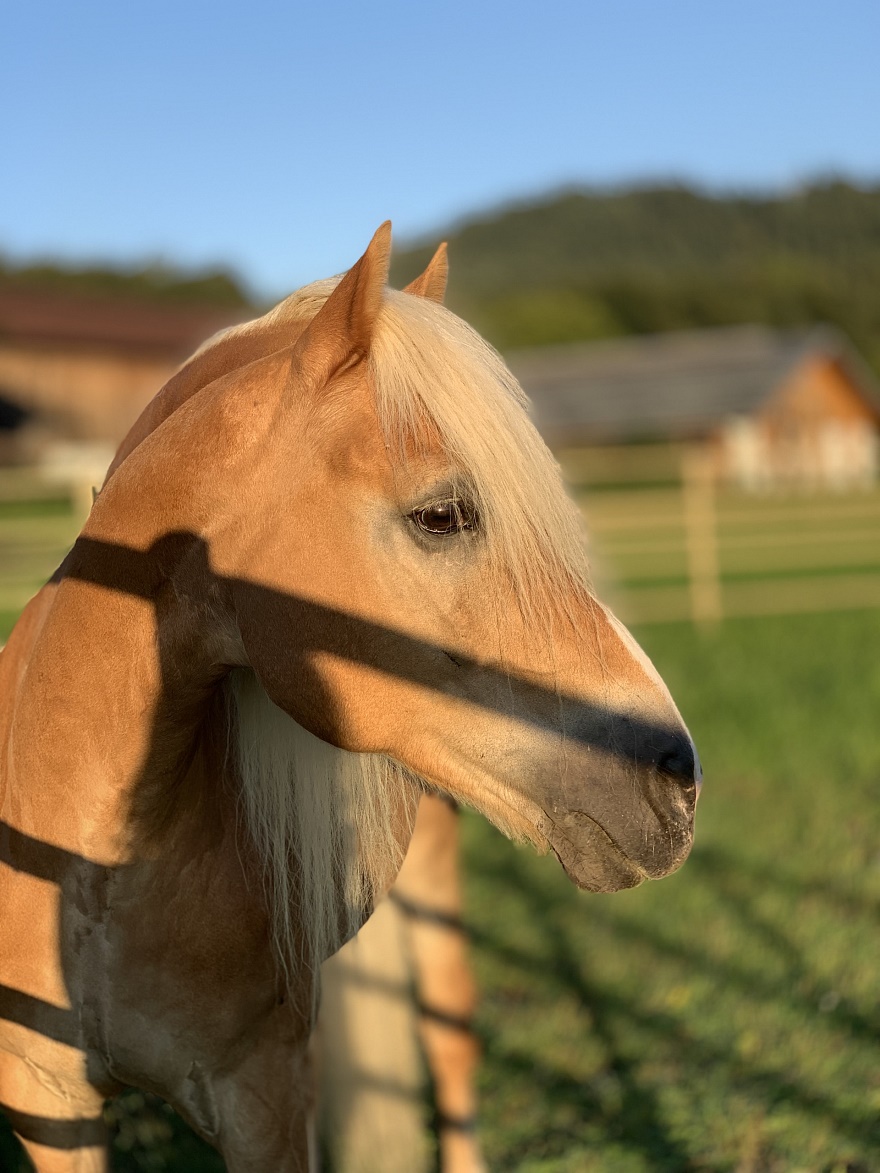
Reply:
x=323, y=820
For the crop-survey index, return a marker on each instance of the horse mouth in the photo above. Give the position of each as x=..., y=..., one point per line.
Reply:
x=596, y=862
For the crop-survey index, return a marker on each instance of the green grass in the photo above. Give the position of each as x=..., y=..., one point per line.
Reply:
x=48, y=507
x=725, y=1018
x=35, y=534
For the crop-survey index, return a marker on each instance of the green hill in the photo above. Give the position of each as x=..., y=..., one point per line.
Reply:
x=155, y=283
x=588, y=264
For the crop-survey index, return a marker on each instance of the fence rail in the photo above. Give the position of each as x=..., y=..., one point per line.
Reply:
x=689, y=549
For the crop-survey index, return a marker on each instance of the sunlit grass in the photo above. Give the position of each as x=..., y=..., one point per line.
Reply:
x=34, y=537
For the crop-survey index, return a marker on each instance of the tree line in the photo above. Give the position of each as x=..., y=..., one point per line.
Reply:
x=588, y=264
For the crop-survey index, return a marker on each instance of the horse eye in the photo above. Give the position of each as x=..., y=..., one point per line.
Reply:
x=445, y=517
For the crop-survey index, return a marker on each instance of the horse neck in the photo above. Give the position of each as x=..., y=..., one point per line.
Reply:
x=121, y=652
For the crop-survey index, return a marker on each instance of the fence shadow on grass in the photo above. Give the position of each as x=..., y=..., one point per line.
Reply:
x=560, y=967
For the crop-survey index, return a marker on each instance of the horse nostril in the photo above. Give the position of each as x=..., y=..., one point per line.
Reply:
x=678, y=761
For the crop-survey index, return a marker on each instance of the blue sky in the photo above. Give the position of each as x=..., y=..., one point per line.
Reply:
x=275, y=136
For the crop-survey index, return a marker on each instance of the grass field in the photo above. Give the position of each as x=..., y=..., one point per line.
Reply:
x=35, y=534
x=724, y=1019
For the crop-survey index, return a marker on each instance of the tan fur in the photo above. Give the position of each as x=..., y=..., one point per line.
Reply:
x=432, y=283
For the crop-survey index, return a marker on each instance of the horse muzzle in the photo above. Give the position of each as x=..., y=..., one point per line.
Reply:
x=594, y=860
x=630, y=824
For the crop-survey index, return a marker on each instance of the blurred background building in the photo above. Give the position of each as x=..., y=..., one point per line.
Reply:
x=778, y=409
x=76, y=370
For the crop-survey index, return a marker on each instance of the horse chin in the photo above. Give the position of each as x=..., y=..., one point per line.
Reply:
x=595, y=862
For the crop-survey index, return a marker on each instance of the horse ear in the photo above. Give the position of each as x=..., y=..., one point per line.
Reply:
x=340, y=332
x=432, y=283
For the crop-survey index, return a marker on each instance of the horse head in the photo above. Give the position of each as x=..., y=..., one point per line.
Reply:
x=412, y=510
x=406, y=575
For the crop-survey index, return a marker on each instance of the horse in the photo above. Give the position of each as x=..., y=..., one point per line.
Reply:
x=332, y=569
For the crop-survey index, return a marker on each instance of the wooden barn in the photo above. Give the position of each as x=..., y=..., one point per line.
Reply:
x=777, y=408
x=79, y=370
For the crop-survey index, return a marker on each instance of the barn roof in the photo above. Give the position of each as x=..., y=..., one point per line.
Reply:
x=50, y=318
x=677, y=385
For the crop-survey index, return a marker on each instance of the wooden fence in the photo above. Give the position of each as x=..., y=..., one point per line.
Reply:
x=668, y=544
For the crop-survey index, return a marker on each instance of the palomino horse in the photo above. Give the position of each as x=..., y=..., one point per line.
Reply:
x=333, y=566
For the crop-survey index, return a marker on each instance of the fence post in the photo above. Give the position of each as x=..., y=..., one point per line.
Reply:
x=698, y=500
